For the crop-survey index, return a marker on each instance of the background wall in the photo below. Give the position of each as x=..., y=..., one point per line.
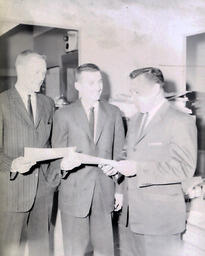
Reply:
x=47, y=41
x=119, y=35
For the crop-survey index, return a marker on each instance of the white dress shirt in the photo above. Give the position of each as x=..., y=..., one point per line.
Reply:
x=87, y=111
x=24, y=97
x=154, y=111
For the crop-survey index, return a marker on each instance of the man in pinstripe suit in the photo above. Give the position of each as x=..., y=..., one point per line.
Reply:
x=25, y=121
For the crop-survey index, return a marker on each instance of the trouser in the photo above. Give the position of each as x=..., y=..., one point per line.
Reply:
x=96, y=228
x=18, y=227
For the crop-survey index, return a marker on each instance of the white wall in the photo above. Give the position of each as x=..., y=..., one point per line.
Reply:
x=119, y=35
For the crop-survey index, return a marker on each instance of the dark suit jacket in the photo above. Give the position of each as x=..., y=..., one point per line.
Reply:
x=71, y=129
x=165, y=153
x=17, y=192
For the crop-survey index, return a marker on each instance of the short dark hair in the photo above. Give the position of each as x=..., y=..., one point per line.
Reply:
x=86, y=67
x=151, y=73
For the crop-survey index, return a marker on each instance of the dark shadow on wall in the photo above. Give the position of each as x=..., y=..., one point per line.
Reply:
x=197, y=105
x=106, y=87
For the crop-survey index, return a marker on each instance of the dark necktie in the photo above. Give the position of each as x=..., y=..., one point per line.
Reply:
x=143, y=122
x=142, y=125
x=92, y=121
x=29, y=106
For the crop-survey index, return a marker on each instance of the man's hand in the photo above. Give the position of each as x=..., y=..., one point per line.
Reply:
x=108, y=169
x=118, y=202
x=21, y=165
x=126, y=167
x=70, y=162
x=195, y=192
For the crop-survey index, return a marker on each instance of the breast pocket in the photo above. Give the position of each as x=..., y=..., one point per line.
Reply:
x=44, y=130
x=158, y=149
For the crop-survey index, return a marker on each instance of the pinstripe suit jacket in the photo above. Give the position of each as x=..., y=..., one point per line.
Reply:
x=17, y=193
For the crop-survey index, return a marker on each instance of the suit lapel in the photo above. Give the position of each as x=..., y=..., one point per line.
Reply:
x=101, y=121
x=39, y=110
x=81, y=118
x=20, y=107
x=155, y=120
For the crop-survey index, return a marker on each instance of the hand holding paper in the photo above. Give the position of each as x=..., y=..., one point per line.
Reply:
x=125, y=167
x=108, y=169
x=71, y=161
x=22, y=164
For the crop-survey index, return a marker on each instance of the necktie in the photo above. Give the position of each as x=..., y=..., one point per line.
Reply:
x=143, y=122
x=142, y=125
x=92, y=121
x=29, y=107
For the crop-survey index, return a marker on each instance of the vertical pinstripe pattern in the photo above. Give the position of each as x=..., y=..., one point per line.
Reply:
x=16, y=132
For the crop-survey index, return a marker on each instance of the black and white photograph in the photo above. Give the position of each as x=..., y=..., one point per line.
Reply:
x=102, y=128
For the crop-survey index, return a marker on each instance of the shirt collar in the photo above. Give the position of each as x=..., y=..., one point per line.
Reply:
x=23, y=93
x=153, y=111
x=87, y=106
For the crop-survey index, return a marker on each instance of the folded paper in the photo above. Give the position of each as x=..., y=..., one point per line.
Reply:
x=43, y=154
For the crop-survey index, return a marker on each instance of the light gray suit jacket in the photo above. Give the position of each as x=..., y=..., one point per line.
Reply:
x=71, y=128
x=17, y=192
x=165, y=153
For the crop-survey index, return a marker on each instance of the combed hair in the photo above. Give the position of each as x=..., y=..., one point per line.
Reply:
x=86, y=67
x=150, y=73
x=24, y=56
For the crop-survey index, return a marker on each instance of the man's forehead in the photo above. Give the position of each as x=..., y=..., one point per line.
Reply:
x=35, y=59
x=36, y=62
x=91, y=74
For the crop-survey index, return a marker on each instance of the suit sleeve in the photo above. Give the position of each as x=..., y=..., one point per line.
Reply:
x=59, y=139
x=46, y=165
x=119, y=136
x=5, y=161
x=119, y=140
x=182, y=161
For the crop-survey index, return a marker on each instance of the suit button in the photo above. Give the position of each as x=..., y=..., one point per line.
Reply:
x=36, y=174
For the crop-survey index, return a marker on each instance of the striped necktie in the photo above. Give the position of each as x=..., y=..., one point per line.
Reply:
x=29, y=107
x=92, y=121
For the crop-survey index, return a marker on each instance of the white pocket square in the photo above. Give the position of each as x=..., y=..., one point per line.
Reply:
x=155, y=144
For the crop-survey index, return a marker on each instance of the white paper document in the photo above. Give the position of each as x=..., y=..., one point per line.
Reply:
x=43, y=154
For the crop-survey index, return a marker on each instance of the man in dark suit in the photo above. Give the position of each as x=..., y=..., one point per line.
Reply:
x=25, y=121
x=86, y=194
x=161, y=153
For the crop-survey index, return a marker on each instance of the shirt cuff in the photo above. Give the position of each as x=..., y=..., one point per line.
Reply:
x=13, y=175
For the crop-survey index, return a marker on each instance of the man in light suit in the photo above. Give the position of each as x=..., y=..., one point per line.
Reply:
x=161, y=153
x=25, y=121
x=86, y=194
